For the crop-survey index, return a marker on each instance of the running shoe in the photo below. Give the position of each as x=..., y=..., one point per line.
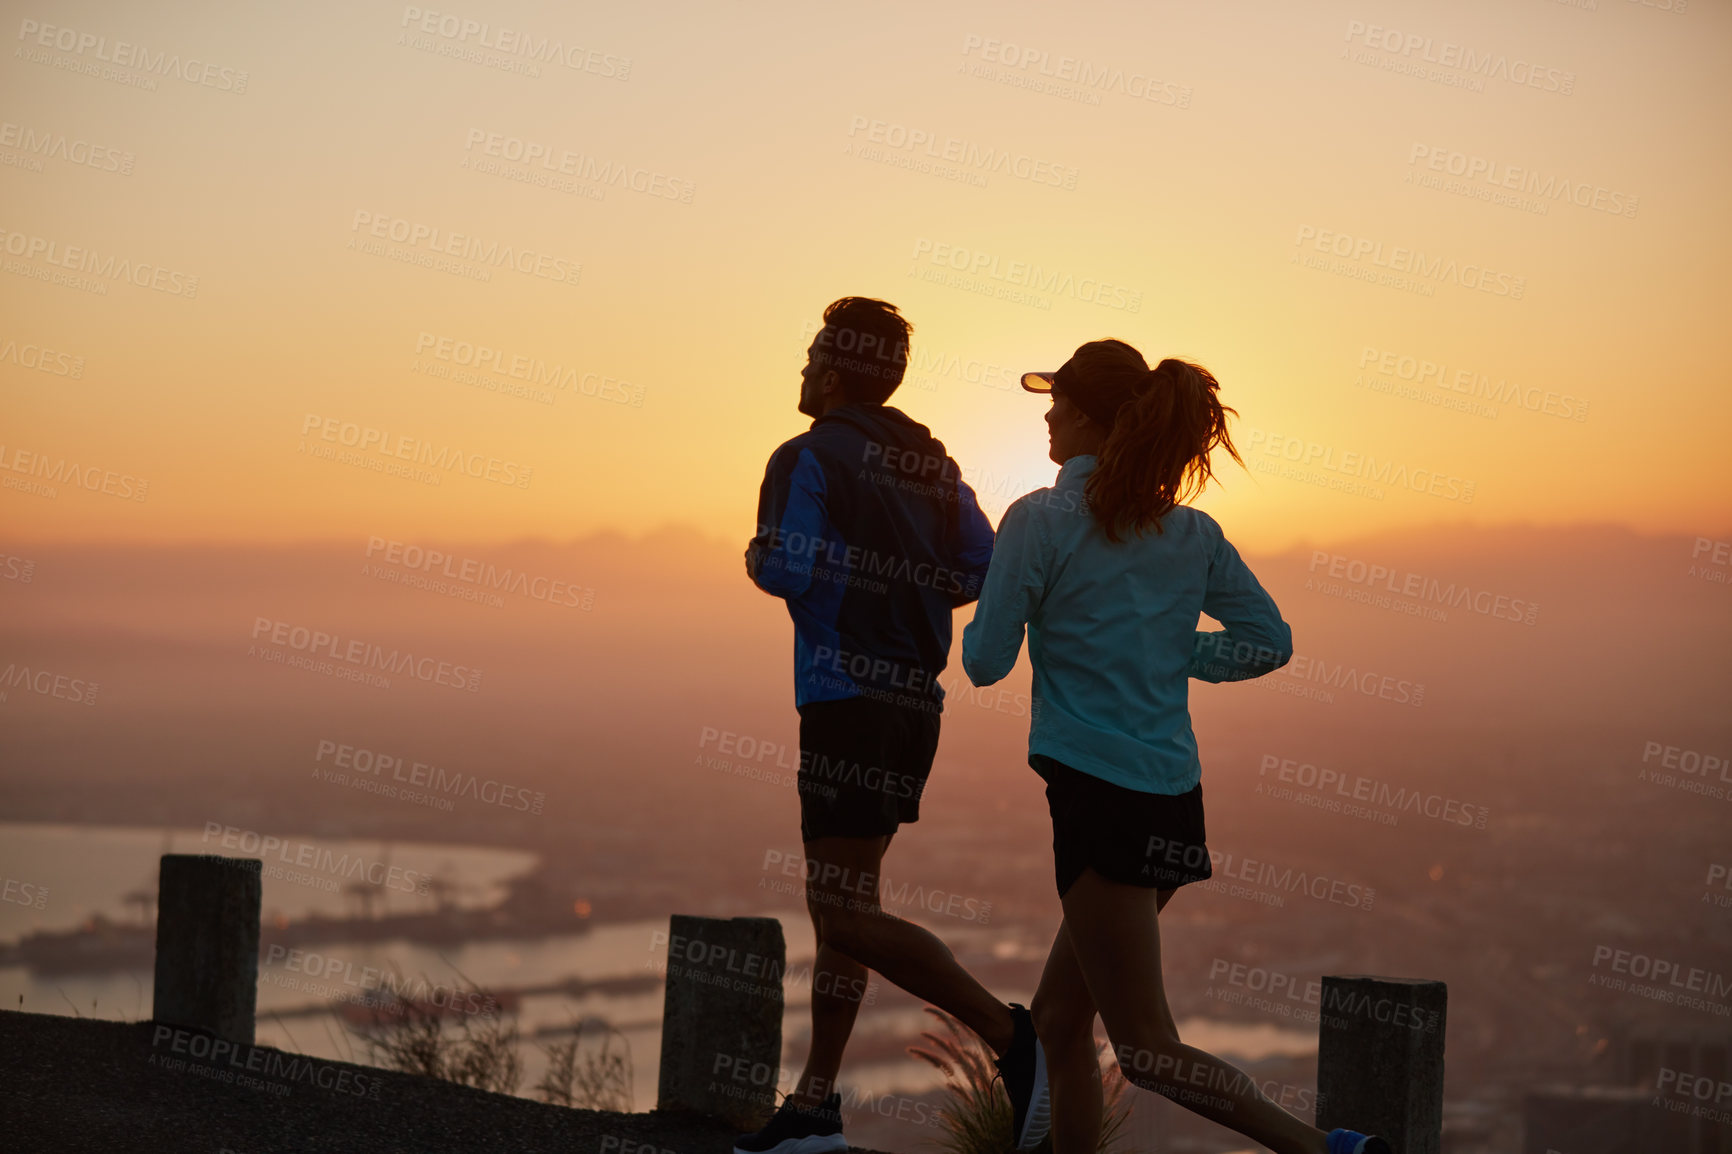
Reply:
x=1353, y=1142
x=795, y=1129
x=1023, y=1069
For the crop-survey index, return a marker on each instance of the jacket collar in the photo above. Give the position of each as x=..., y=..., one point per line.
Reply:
x=1075, y=471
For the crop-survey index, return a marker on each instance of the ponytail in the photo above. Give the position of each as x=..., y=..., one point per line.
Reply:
x=1158, y=451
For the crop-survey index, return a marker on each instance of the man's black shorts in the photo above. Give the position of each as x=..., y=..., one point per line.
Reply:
x=1154, y=840
x=863, y=766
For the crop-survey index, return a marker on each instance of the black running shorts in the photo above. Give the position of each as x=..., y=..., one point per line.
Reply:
x=1140, y=839
x=863, y=766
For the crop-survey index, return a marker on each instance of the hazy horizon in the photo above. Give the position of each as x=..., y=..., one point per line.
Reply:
x=386, y=391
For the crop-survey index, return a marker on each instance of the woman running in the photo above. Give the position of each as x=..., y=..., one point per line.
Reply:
x=1109, y=572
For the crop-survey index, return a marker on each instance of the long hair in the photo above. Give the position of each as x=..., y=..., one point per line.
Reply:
x=1157, y=453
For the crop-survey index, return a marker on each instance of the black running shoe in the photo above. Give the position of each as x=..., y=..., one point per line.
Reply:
x=796, y=1129
x=1023, y=1069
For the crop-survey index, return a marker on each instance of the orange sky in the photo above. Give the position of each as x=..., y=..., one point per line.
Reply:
x=1516, y=209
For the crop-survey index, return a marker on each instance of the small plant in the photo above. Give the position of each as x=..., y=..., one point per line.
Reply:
x=597, y=1078
x=978, y=1117
x=412, y=1036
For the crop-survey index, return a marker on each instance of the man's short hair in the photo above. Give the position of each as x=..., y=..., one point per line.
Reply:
x=866, y=342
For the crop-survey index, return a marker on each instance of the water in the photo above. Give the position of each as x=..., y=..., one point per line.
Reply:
x=81, y=871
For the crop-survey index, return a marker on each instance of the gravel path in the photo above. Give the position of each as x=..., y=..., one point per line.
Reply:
x=97, y=1087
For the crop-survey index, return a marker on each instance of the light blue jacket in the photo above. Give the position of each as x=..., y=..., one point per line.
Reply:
x=1112, y=631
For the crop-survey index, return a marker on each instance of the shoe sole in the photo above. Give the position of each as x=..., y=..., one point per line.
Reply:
x=1039, y=1117
x=811, y=1144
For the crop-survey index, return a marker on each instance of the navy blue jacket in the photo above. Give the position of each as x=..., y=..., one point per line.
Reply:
x=868, y=531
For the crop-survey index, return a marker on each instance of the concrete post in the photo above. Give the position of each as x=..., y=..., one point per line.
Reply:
x=207, y=944
x=722, y=1018
x=1380, y=1059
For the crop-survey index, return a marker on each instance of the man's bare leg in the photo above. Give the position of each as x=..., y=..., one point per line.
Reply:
x=842, y=897
x=838, y=986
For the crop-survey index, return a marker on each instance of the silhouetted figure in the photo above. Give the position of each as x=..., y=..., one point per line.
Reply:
x=1108, y=573
x=867, y=530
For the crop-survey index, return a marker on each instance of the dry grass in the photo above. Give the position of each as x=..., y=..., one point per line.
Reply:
x=977, y=1119
x=594, y=1078
x=480, y=1049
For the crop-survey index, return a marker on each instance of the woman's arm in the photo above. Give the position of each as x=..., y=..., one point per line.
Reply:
x=1256, y=640
x=1015, y=582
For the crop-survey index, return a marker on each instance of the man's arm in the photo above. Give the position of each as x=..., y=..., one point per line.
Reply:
x=793, y=519
x=1256, y=640
x=1015, y=583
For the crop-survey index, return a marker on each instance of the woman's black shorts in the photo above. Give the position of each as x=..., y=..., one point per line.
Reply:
x=1140, y=839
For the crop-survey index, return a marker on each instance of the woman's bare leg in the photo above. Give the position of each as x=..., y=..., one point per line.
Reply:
x=1115, y=937
x=1064, y=1020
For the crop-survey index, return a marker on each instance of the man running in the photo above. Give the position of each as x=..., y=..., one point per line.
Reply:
x=867, y=530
